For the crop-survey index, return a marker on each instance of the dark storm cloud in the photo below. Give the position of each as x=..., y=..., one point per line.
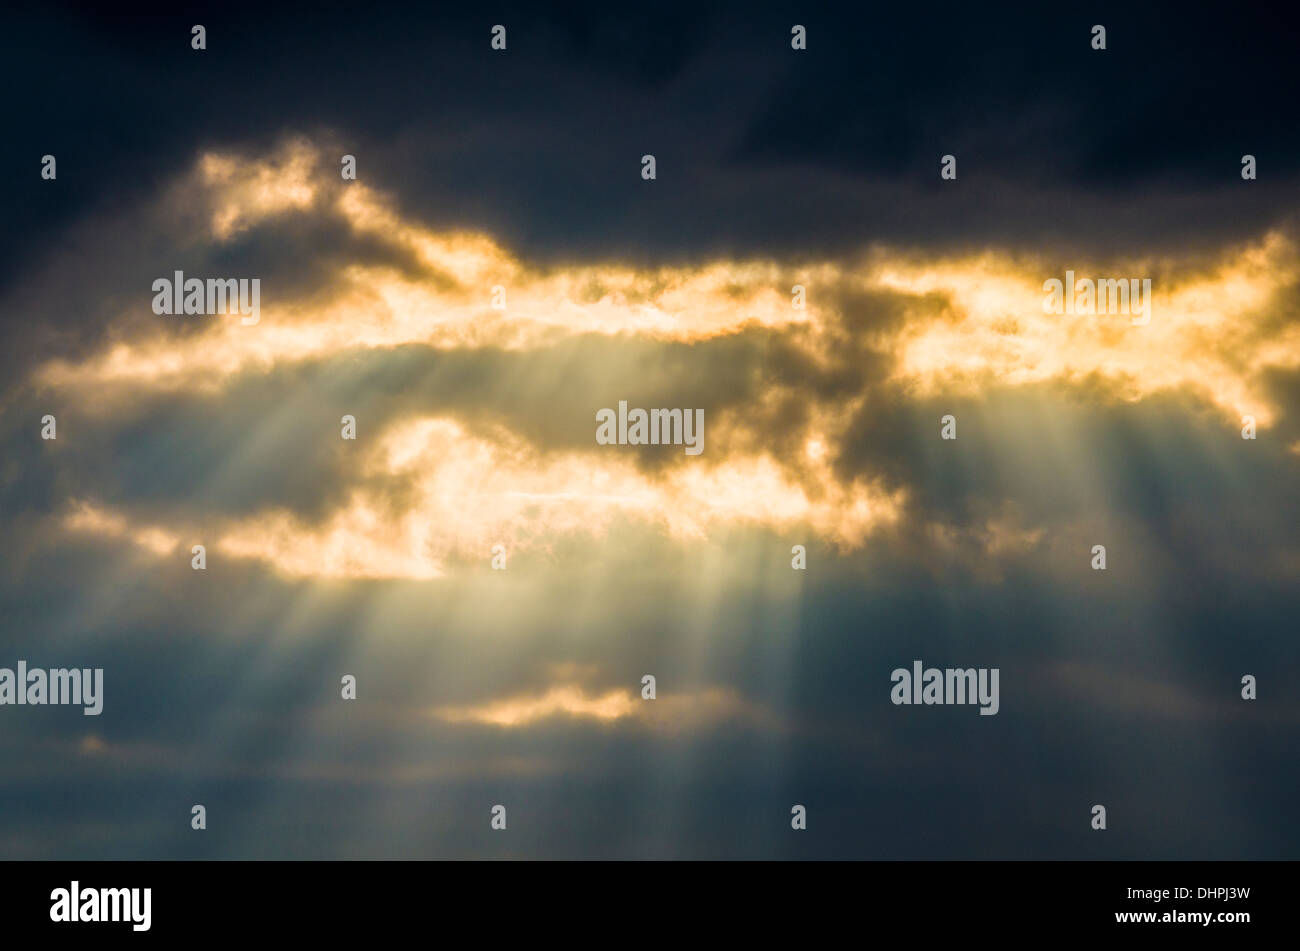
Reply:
x=222, y=687
x=761, y=149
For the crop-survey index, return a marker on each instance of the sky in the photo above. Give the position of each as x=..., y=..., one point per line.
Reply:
x=498, y=581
